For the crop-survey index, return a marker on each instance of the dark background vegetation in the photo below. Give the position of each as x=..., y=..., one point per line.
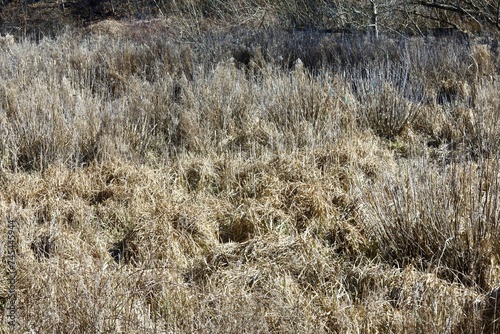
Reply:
x=392, y=16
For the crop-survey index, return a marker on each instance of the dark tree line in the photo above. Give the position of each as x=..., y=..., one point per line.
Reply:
x=418, y=16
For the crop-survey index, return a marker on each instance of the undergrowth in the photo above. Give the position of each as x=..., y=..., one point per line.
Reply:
x=273, y=181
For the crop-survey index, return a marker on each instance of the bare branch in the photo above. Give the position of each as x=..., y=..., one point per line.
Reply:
x=444, y=6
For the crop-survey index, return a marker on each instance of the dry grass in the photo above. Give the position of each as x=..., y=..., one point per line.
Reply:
x=220, y=185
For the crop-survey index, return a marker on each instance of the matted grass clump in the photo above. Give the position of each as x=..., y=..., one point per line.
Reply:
x=236, y=182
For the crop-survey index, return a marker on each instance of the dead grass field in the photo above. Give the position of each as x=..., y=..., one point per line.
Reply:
x=250, y=182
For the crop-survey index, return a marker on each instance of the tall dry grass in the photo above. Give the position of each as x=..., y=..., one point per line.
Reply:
x=266, y=182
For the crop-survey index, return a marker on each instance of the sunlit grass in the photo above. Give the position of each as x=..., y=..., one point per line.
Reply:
x=168, y=184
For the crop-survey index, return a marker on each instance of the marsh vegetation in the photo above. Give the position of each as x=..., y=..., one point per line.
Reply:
x=180, y=176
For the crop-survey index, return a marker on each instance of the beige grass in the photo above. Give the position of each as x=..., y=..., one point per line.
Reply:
x=155, y=191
